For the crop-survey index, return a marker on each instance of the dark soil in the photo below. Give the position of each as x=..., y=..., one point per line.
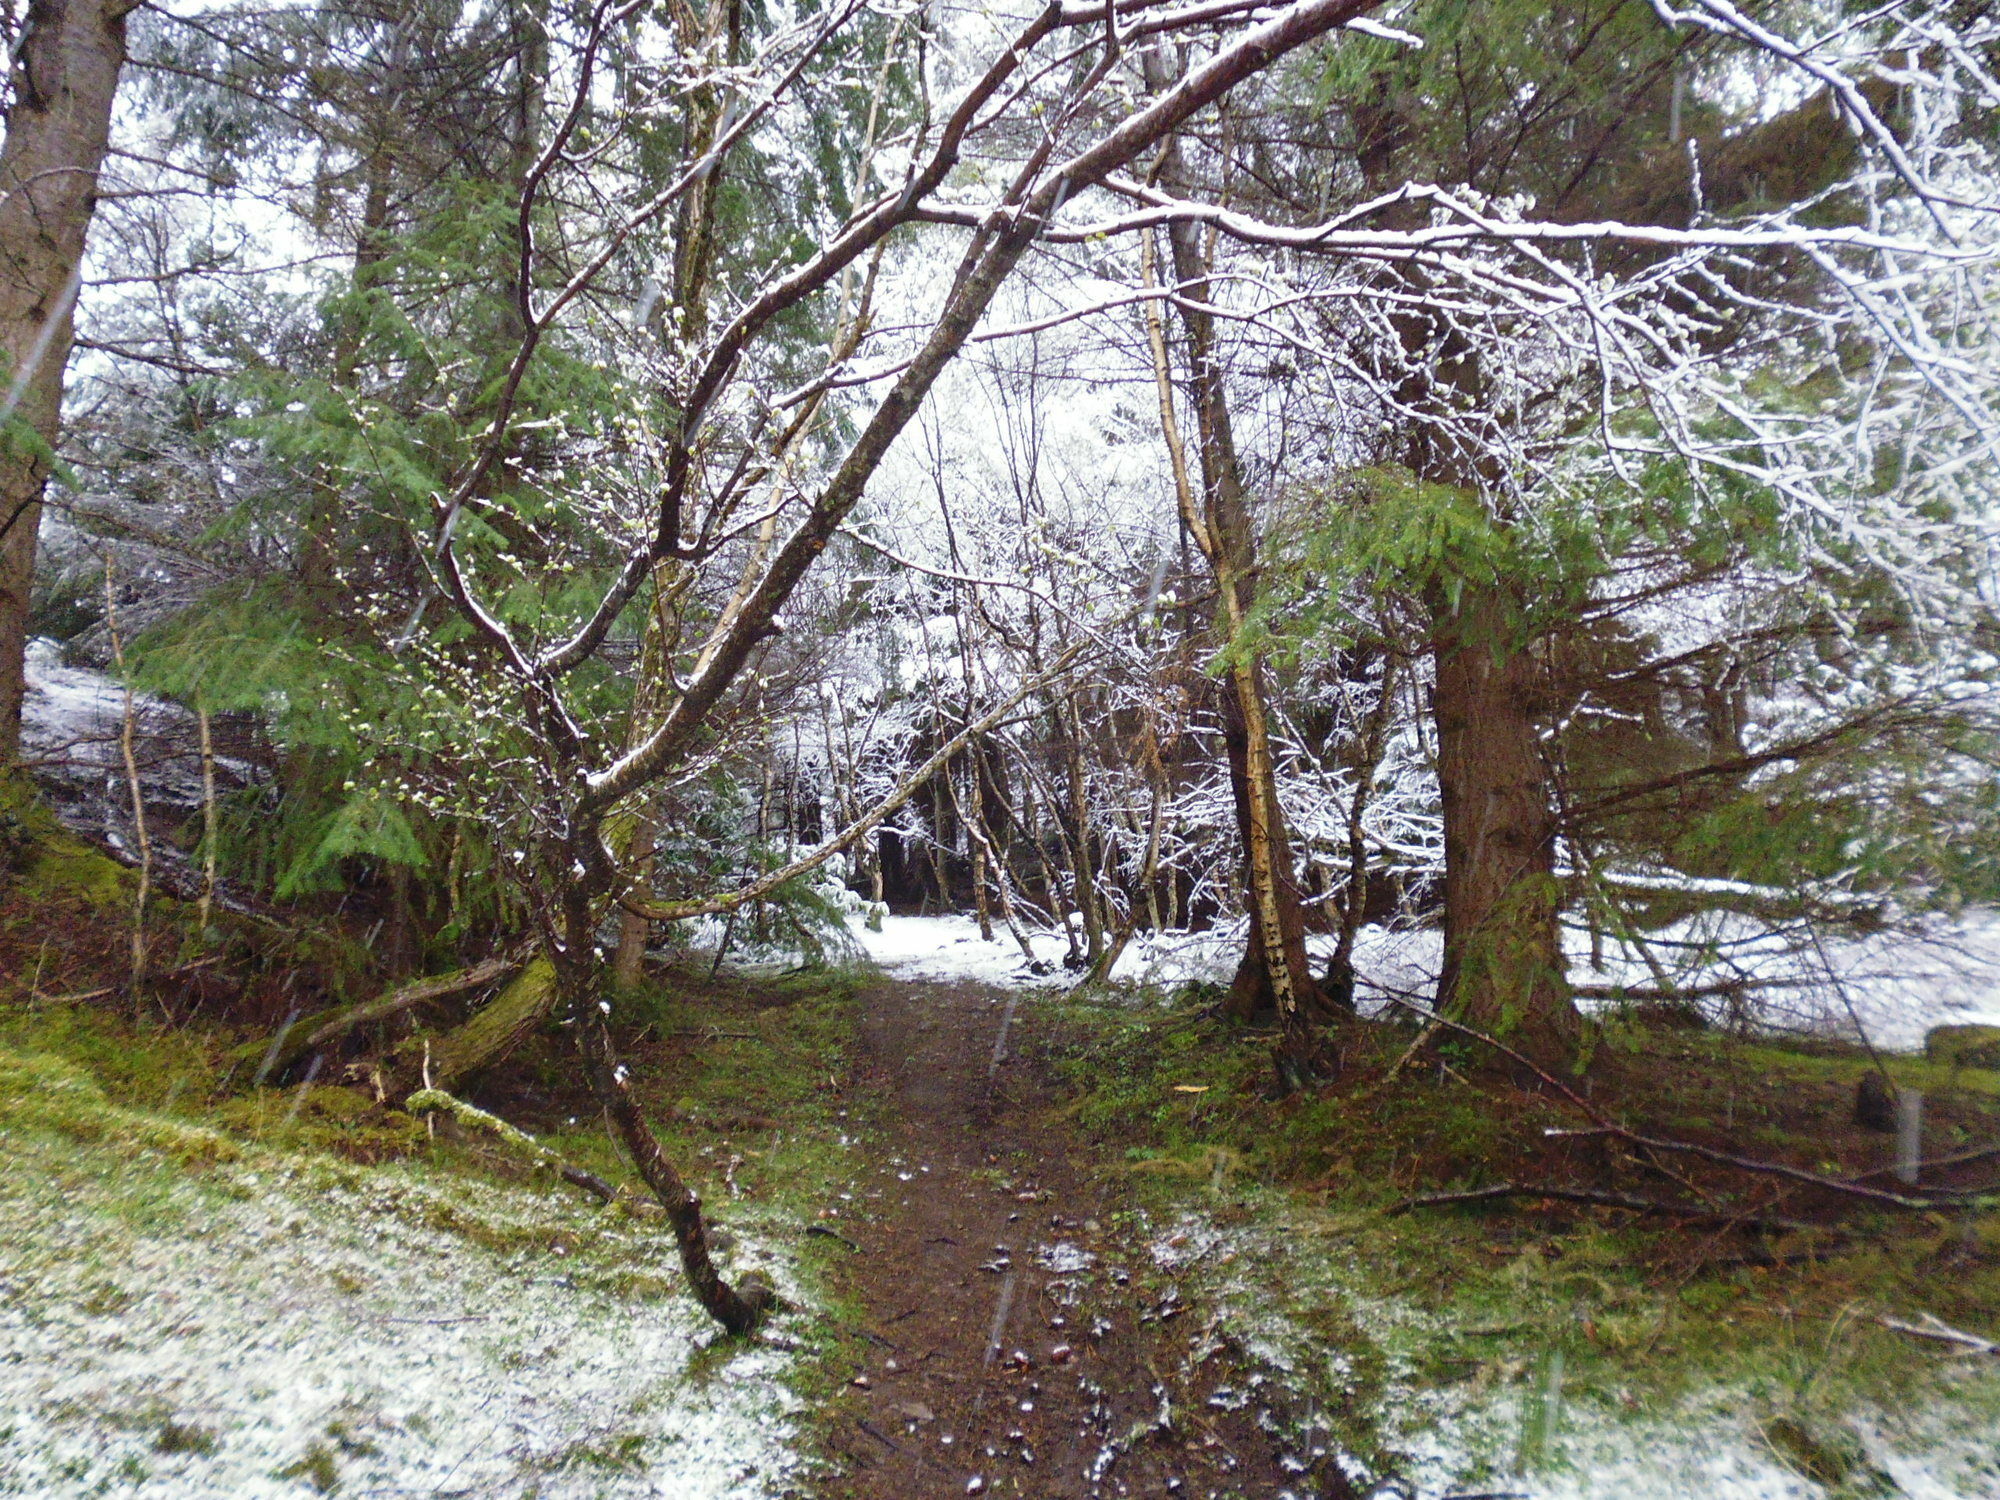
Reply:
x=1010, y=1339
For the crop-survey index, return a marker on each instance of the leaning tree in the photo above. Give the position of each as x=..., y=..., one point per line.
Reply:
x=745, y=476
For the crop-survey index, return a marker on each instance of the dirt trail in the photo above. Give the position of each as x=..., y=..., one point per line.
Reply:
x=1011, y=1348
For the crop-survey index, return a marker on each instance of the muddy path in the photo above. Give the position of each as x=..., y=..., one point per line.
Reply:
x=1011, y=1341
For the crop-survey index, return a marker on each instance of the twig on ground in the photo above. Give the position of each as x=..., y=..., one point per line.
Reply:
x=868, y=1427
x=111, y=989
x=1934, y=1328
x=1503, y=1190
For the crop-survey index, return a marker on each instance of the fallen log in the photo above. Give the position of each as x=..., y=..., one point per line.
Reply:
x=493, y=1031
x=1652, y=1206
x=307, y=1034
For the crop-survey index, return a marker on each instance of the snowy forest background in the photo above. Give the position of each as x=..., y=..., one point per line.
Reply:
x=1417, y=578
x=1517, y=470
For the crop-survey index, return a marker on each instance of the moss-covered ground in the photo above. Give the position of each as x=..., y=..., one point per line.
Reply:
x=211, y=1288
x=1539, y=1337
x=153, y=1203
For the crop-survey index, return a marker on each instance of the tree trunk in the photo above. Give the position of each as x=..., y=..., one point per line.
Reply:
x=1083, y=858
x=634, y=930
x=1339, y=981
x=1503, y=962
x=569, y=922
x=494, y=1031
x=65, y=76
x=1275, y=973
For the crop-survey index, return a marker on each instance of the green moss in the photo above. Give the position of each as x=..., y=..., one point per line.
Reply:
x=623, y=1454
x=43, y=864
x=316, y=1467
x=43, y=1092
x=184, y=1437
x=140, y=1063
x=1467, y=1301
x=337, y=1120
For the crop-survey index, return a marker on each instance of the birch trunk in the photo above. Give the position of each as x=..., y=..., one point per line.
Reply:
x=1275, y=972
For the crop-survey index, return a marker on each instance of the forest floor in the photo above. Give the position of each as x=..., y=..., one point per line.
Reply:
x=1032, y=1243
x=1111, y=1264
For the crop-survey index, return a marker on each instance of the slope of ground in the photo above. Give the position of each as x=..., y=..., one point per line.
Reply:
x=1552, y=1349
x=1037, y=1246
x=184, y=1312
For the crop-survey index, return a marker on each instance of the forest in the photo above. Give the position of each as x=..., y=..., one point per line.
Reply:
x=1287, y=705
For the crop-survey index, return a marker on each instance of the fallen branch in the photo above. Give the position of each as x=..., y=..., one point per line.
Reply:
x=416, y=992
x=426, y=1100
x=1933, y=1328
x=1503, y=1190
x=1842, y=1186
x=111, y=989
x=1653, y=994
x=1956, y=1159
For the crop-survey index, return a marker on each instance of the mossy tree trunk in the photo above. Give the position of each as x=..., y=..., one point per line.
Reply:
x=495, y=1030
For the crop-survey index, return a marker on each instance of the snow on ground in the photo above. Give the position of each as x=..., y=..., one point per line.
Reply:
x=1896, y=985
x=167, y=1338
x=73, y=716
x=72, y=721
x=1273, y=1287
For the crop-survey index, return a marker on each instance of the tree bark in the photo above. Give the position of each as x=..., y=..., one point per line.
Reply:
x=634, y=931
x=495, y=1030
x=1083, y=861
x=577, y=977
x=1339, y=981
x=1504, y=972
x=64, y=79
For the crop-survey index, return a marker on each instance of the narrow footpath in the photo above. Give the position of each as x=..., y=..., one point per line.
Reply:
x=1010, y=1345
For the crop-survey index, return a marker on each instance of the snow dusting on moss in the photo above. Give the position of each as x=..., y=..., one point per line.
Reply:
x=1305, y=1314
x=284, y=1331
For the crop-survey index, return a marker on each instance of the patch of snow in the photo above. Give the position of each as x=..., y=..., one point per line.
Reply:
x=1896, y=984
x=1064, y=1258
x=72, y=721
x=260, y=1340
x=1455, y=1438
x=1892, y=986
x=950, y=947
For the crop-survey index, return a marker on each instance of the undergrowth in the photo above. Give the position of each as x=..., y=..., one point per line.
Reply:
x=1519, y=1323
